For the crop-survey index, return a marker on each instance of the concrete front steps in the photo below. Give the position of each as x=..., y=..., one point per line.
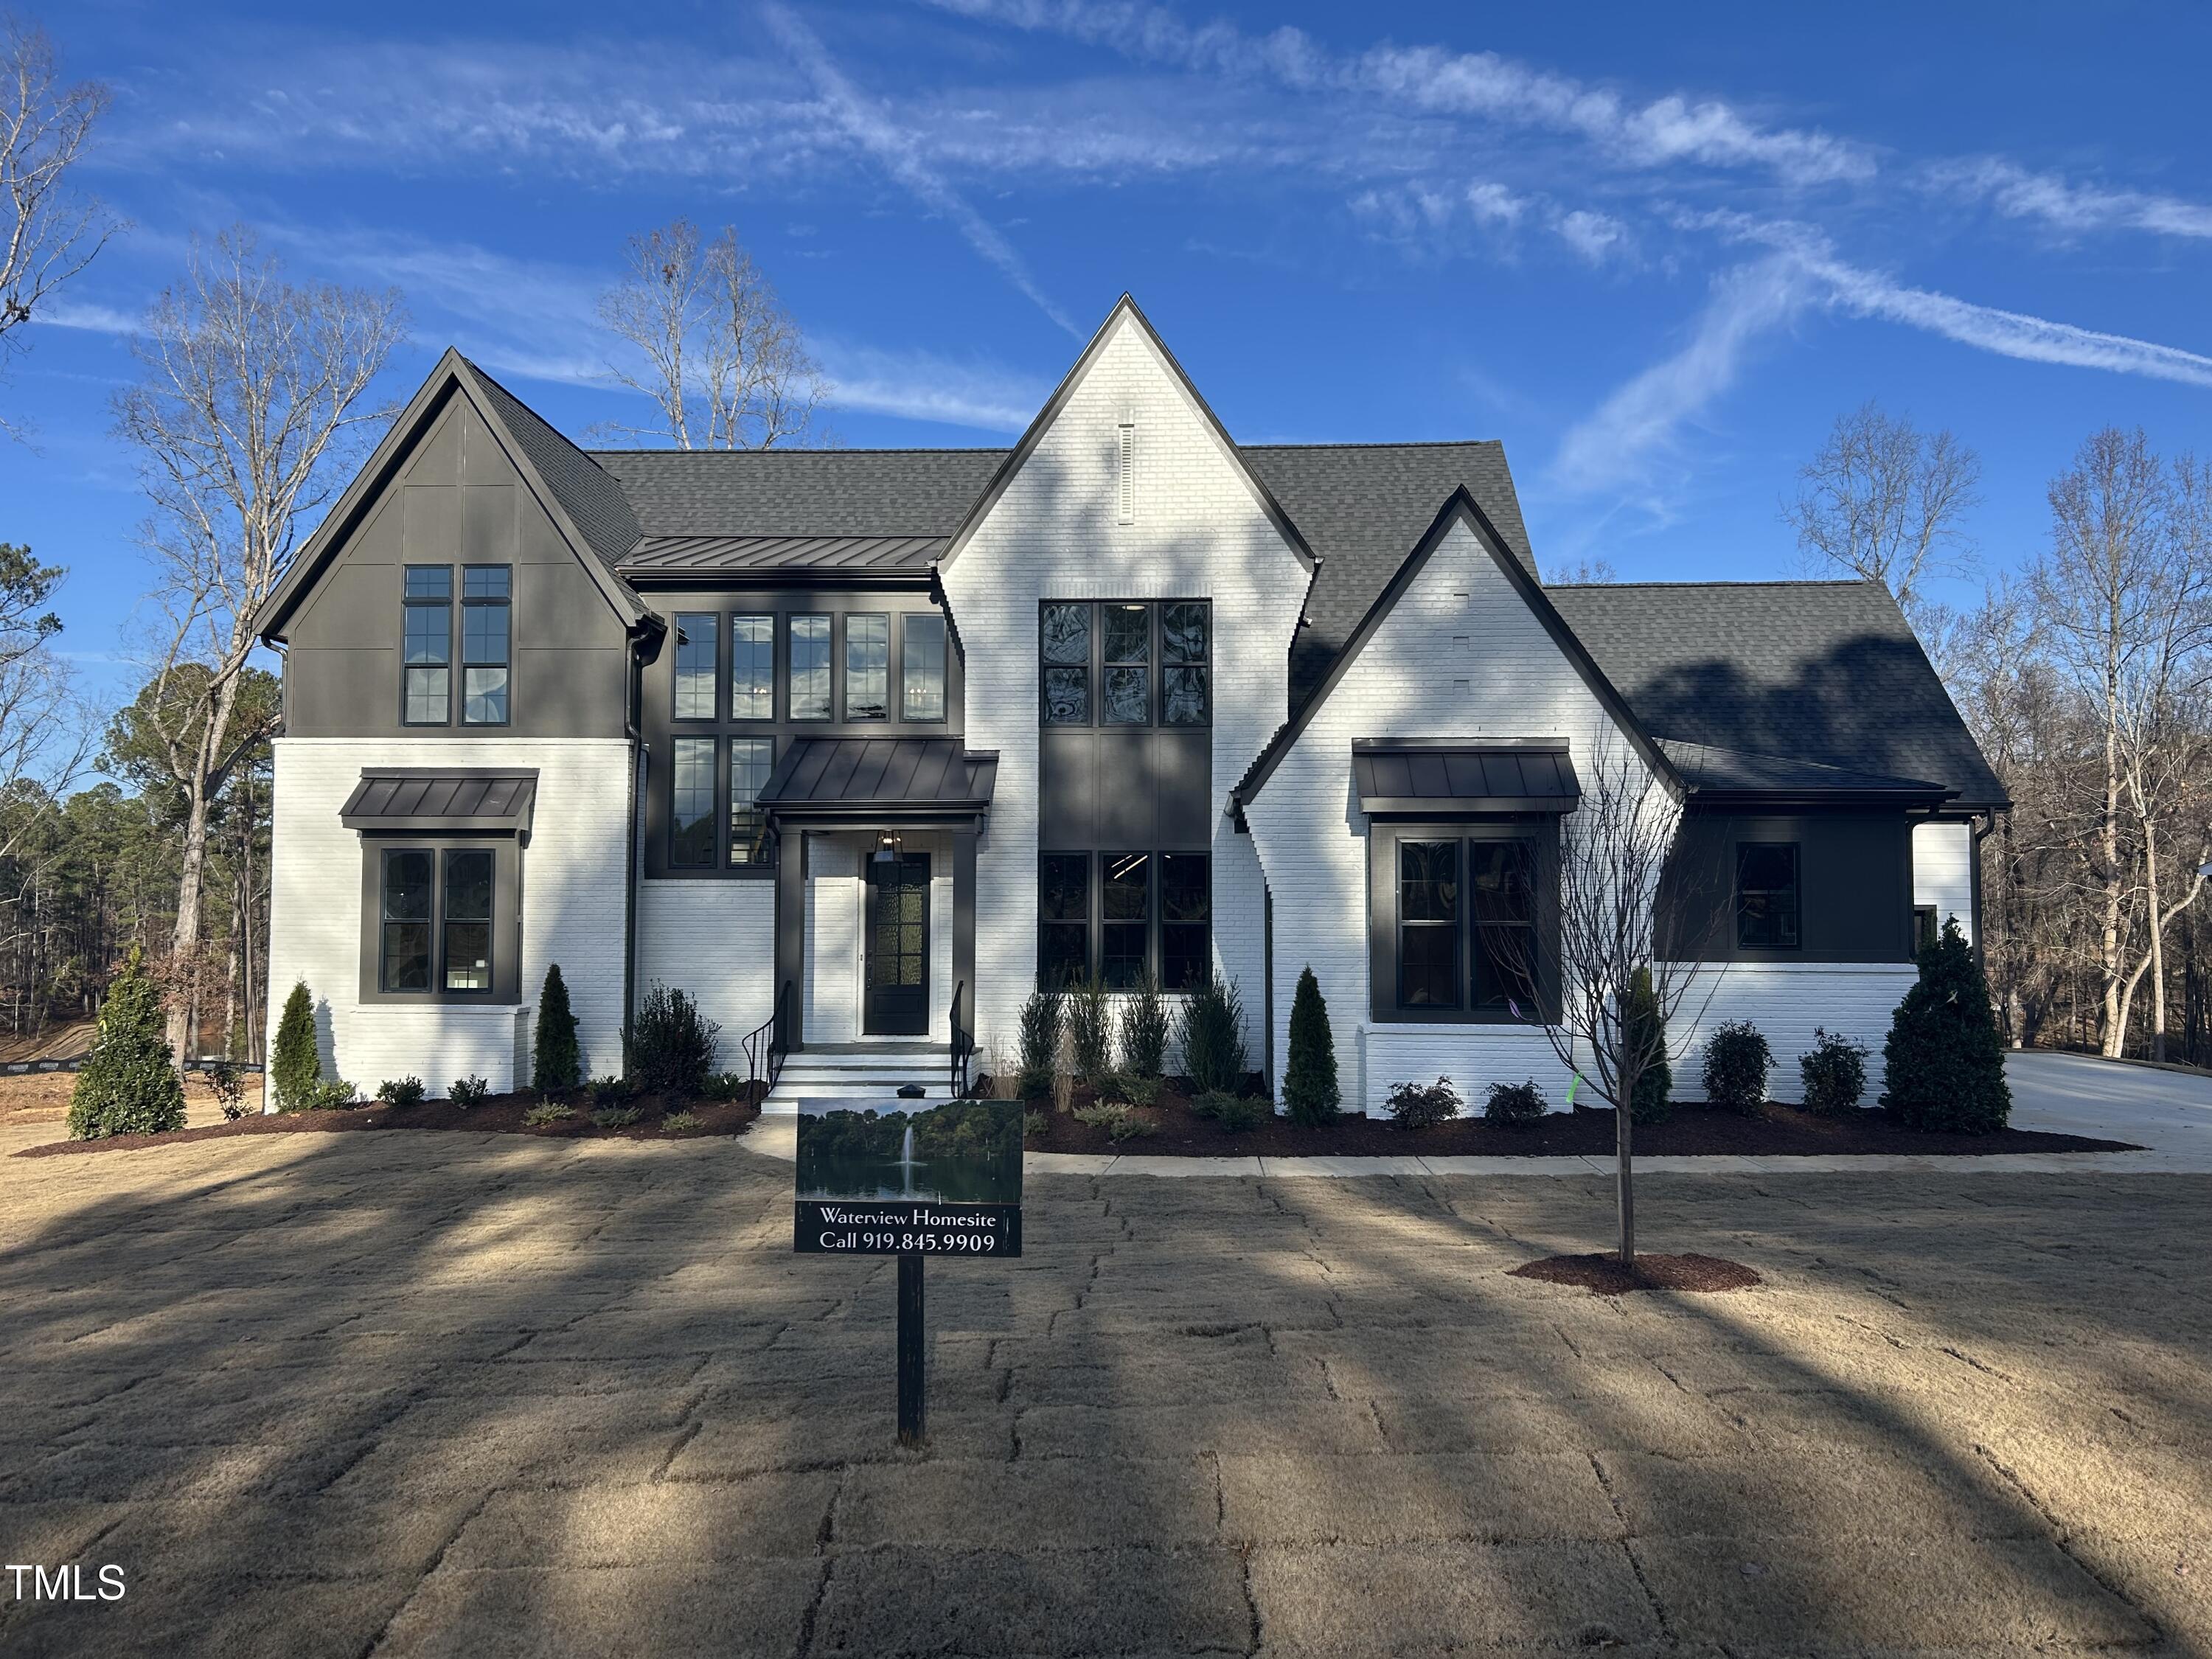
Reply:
x=869, y=1071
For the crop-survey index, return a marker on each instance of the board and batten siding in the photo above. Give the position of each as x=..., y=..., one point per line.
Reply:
x=1196, y=530
x=1943, y=873
x=573, y=910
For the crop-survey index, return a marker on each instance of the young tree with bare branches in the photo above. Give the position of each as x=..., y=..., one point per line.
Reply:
x=1886, y=502
x=48, y=232
x=254, y=404
x=714, y=349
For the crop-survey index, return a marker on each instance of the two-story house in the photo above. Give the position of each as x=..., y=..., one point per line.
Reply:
x=867, y=745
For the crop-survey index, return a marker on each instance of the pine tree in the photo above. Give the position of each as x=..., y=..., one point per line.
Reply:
x=1944, y=1066
x=128, y=1086
x=555, y=1060
x=1309, y=1088
x=295, y=1062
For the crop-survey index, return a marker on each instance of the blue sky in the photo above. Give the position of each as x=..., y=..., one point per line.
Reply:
x=1655, y=256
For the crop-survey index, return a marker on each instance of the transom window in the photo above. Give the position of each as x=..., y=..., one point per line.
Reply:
x=1125, y=663
x=1153, y=915
x=436, y=925
x=1767, y=896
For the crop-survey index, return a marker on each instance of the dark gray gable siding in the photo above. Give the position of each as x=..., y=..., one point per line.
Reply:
x=1828, y=672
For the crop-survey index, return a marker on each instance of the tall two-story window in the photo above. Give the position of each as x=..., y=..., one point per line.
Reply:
x=1154, y=916
x=486, y=596
x=691, y=826
x=751, y=760
x=427, y=639
x=695, y=662
x=1064, y=643
x=867, y=667
x=921, y=667
x=810, y=667
x=752, y=667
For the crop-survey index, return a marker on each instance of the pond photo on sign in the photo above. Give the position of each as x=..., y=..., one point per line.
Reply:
x=964, y=1151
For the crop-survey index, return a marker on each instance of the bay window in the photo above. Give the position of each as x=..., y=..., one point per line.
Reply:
x=1464, y=922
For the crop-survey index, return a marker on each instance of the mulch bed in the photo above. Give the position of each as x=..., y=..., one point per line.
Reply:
x=500, y=1114
x=1692, y=1130
x=1604, y=1275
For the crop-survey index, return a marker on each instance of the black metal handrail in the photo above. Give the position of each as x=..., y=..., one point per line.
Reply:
x=963, y=1046
x=768, y=1042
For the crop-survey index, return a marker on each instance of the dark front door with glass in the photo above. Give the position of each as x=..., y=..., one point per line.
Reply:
x=898, y=1002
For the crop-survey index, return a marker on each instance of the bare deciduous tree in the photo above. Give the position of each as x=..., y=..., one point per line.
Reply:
x=47, y=233
x=252, y=409
x=1884, y=502
x=722, y=360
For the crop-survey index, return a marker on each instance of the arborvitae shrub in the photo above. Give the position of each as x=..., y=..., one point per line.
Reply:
x=1040, y=1054
x=1834, y=1070
x=296, y=1066
x=1090, y=1019
x=556, y=1062
x=671, y=1044
x=1944, y=1066
x=127, y=1086
x=1737, y=1060
x=1518, y=1104
x=1145, y=1031
x=1651, y=1103
x=1310, y=1089
x=1211, y=1035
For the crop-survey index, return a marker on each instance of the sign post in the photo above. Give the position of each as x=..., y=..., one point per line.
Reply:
x=943, y=1179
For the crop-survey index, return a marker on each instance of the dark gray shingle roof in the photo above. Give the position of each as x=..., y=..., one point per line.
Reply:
x=1731, y=771
x=592, y=497
x=1828, y=672
x=800, y=492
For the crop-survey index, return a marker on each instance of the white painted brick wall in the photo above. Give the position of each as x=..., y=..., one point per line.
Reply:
x=572, y=908
x=1786, y=1000
x=1198, y=533
x=1943, y=871
x=715, y=941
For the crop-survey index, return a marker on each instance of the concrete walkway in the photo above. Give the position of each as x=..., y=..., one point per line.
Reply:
x=2169, y=1113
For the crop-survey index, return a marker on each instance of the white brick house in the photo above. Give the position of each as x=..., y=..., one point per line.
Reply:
x=860, y=747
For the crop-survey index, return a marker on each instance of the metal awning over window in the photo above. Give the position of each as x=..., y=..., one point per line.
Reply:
x=426, y=799
x=881, y=778
x=1403, y=777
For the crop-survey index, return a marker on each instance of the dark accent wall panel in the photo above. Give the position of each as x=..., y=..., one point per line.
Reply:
x=1105, y=791
x=1854, y=880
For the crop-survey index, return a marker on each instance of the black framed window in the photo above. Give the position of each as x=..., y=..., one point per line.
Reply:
x=751, y=760
x=1428, y=923
x=691, y=803
x=408, y=887
x=468, y=919
x=809, y=668
x=752, y=666
x=1063, y=920
x=1186, y=920
x=867, y=667
x=1766, y=909
x=921, y=667
x=696, y=658
x=1501, y=884
x=1064, y=645
x=486, y=644
x=427, y=645
x=1126, y=645
x=1125, y=918
x=1186, y=663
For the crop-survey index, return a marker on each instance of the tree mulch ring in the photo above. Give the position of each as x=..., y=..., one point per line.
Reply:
x=1606, y=1275
x=1692, y=1130
x=499, y=1115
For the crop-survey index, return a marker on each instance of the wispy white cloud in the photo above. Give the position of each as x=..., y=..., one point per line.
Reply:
x=2072, y=210
x=1596, y=237
x=1635, y=428
x=86, y=318
x=921, y=385
x=874, y=133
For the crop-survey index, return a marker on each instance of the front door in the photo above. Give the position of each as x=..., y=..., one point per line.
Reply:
x=898, y=947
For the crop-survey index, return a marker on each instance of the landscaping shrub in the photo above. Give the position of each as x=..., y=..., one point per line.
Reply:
x=725, y=1086
x=1834, y=1070
x=1419, y=1105
x=1140, y=1090
x=1737, y=1060
x=1034, y=1124
x=547, y=1111
x=671, y=1044
x=332, y=1097
x=1039, y=1048
x=296, y=1066
x=128, y=1086
x=616, y=1117
x=1211, y=1035
x=1309, y=1091
x=1145, y=1031
x=555, y=1060
x=1944, y=1066
x=1513, y=1102
x=1090, y=1019
x=609, y=1091
x=229, y=1084
x=400, y=1091
x=1235, y=1113
x=467, y=1091
x=1117, y=1118
x=679, y=1123
x=1651, y=1103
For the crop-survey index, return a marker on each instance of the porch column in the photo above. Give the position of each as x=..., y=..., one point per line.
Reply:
x=791, y=931
x=963, y=917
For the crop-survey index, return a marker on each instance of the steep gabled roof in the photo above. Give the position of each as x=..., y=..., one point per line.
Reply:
x=1824, y=672
x=800, y=492
x=1460, y=508
x=592, y=498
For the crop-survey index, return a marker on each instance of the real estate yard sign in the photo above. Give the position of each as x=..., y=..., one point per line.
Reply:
x=942, y=1180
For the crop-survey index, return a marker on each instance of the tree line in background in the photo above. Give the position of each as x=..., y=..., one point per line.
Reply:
x=2084, y=676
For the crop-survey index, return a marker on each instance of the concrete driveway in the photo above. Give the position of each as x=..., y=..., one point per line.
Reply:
x=2169, y=1112
x=416, y=1394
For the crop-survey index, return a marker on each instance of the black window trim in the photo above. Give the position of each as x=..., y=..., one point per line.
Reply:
x=943, y=669
x=727, y=660
x=843, y=668
x=1795, y=948
x=1155, y=668
x=460, y=691
x=407, y=604
x=505, y=989
x=713, y=716
x=790, y=659
x=1384, y=837
x=1095, y=923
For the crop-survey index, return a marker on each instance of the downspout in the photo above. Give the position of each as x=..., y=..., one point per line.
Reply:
x=640, y=775
x=1981, y=826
